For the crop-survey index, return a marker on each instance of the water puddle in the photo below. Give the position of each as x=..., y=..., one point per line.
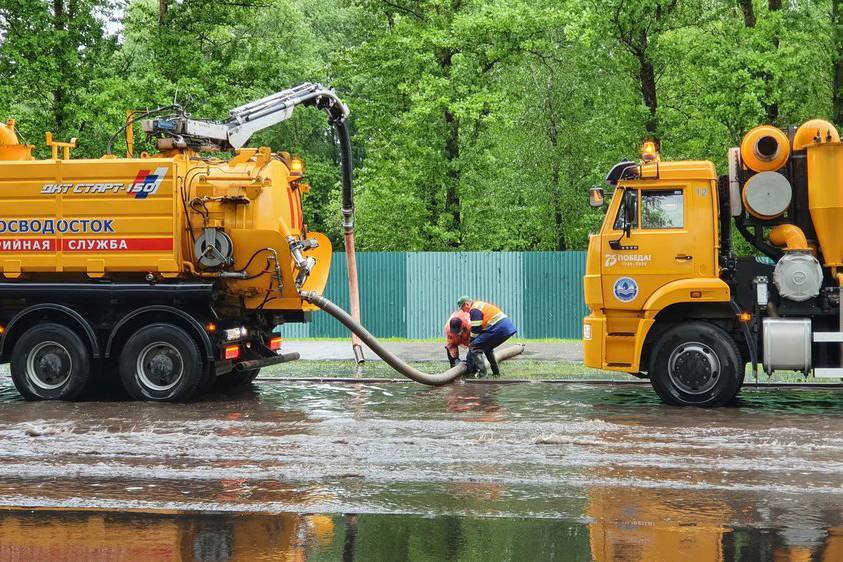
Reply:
x=403, y=472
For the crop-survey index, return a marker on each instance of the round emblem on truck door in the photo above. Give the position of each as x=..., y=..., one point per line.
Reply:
x=626, y=289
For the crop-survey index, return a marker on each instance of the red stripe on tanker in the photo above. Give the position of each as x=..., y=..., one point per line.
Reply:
x=28, y=245
x=117, y=244
x=87, y=244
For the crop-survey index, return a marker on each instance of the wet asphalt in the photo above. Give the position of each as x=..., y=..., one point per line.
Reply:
x=607, y=461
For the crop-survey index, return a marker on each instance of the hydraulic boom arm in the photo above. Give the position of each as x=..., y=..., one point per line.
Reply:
x=244, y=121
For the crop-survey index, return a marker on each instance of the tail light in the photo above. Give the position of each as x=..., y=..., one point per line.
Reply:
x=232, y=351
x=275, y=343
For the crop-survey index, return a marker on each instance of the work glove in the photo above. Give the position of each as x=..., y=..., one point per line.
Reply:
x=451, y=360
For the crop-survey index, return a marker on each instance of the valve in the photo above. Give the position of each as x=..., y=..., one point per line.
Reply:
x=304, y=265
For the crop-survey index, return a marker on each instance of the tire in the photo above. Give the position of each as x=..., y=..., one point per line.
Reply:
x=696, y=364
x=237, y=379
x=162, y=363
x=50, y=362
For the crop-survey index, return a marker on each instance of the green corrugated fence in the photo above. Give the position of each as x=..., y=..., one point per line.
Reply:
x=411, y=294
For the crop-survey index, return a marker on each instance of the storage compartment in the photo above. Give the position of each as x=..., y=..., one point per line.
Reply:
x=787, y=344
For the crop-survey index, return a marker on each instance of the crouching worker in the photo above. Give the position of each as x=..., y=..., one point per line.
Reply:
x=490, y=327
x=457, y=331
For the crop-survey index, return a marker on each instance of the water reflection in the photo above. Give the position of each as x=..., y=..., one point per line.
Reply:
x=625, y=526
x=633, y=525
x=70, y=536
x=474, y=402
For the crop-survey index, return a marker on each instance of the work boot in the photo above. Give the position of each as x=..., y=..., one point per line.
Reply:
x=493, y=363
x=478, y=366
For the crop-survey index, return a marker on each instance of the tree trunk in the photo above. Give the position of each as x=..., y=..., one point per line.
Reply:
x=162, y=11
x=452, y=154
x=748, y=13
x=555, y=173
x=772, y=107
x=647, y=78
x=59, y=90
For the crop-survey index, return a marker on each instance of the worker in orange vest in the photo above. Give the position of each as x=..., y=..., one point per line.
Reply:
x=457, y=333
x=490, y=327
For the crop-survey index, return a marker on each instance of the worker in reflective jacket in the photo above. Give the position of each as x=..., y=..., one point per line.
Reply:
x=457, y=332
x=490, y=327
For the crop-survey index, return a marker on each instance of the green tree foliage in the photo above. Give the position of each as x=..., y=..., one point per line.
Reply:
x=478, y=124
x=51, y=54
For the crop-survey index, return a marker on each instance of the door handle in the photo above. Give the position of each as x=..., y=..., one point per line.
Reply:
x=684, y=257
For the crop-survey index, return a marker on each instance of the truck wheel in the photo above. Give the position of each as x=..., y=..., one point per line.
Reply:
x=696, y=364
x=50, y=362
x=162, y=363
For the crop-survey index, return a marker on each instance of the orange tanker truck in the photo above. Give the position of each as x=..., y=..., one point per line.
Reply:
x=170, y=268
x=670, y=300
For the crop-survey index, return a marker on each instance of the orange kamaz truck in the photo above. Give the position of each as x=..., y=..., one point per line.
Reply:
x=171, y=268
x=672, y=302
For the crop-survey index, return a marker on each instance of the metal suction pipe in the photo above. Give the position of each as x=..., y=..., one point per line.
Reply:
x=348, y=227
x=392, y=360
x=790, y=236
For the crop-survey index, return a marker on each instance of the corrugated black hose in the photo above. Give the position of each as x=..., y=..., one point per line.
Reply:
x=392, y=360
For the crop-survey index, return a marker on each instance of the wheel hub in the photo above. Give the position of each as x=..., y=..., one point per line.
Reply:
x=160, y=366
x=694, y=368
x=49, y=365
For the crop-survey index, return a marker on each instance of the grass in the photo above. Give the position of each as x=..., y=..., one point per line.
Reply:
x=517, y=369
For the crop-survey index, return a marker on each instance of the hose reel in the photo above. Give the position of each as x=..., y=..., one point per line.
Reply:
x=214, y=249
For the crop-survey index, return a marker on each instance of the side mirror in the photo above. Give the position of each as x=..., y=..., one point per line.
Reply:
x=628, y=213
x=595, y=197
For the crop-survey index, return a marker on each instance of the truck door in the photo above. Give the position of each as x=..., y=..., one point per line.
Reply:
x=664, y=242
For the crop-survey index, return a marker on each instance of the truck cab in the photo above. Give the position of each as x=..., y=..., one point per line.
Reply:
x=654, y=262
x=670, y=301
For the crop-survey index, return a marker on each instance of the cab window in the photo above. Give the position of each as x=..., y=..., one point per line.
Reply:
x=628, y=194
x=662, y=209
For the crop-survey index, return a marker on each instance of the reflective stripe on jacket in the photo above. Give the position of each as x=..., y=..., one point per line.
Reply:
x=484, y=315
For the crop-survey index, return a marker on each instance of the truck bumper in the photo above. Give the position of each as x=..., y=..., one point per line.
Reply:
x=265, y=361
x=593, y=336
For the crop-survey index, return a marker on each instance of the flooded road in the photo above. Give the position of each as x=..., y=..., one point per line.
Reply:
x=403, y=472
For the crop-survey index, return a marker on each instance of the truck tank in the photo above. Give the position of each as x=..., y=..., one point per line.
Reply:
x=171, y=216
